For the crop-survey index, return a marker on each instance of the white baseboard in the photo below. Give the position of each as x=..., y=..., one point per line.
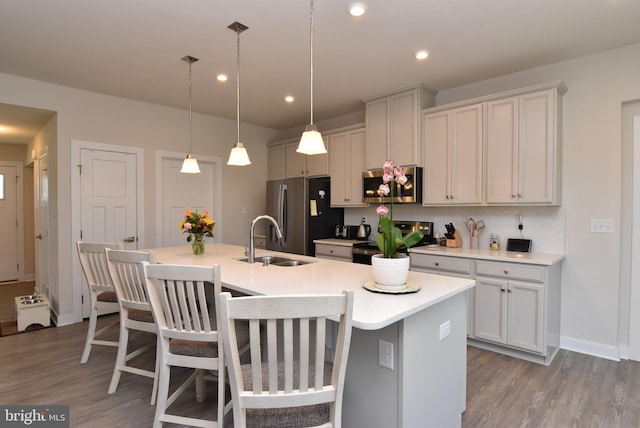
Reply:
x=590, y=348
x=30, y=277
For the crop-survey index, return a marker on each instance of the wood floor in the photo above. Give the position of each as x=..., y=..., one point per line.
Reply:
x=7, y=294
x=43, y=367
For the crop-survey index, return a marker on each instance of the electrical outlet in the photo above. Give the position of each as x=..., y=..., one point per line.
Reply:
x=602, y=225
x=385, y=354
x=445, y=329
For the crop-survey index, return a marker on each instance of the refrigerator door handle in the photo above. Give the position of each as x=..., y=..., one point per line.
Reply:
x=282, y=220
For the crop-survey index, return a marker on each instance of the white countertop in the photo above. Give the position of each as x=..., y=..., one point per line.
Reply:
x=371, y=311
x=337, y=241
x=546, y=259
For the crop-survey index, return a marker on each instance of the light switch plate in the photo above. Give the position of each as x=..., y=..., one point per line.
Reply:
x=602, y=225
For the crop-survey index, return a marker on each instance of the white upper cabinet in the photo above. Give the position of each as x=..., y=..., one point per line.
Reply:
x=275, y=162
x=523, y=148
x=453, y=156
x=284, y=162
x=346, y=161
x=393, y=126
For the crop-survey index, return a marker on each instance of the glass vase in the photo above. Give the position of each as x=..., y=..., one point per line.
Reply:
x=197, y=244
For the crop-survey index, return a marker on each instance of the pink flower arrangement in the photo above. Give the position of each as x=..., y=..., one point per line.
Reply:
x=390, y=238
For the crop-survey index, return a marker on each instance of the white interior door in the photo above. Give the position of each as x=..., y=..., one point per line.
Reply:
x=8, y=223
x=108, y=192
x=178, y=192
x=42, y=224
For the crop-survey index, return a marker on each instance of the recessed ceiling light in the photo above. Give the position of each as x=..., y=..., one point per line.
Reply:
x=357, y=9
x=289, y=99
x=422, y=55
x=222, y=77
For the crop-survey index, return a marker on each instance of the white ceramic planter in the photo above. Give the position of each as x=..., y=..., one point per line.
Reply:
x=390, y=274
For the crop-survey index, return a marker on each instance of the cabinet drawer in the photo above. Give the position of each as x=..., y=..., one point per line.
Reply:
x=333, y=251
x=441, y=263
x=511, y=270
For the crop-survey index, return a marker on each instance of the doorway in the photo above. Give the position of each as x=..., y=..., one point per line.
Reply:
x=177, y=192
x=11, y=227
x=107, y=203
x=634, y=311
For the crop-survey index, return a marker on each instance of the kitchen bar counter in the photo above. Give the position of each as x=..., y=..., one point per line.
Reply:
x=426, y=384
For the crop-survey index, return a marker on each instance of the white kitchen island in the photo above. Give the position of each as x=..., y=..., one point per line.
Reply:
x=427, y=385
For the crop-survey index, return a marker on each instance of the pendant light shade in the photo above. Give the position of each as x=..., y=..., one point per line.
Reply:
x=311, y=142
x=238, y=155
x=190, y=164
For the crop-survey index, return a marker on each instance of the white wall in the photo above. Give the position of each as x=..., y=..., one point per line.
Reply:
x=88, y=116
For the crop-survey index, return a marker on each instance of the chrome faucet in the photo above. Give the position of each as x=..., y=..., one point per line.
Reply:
x=252, y=245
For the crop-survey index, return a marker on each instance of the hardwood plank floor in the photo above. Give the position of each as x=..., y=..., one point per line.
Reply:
x=43, y=367
x=576, y=390
x=8, y=291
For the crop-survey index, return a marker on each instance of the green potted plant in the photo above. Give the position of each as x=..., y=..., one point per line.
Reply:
x=390, y=238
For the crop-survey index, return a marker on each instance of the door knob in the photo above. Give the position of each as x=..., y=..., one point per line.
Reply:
x=39, y=236
x=130, y=239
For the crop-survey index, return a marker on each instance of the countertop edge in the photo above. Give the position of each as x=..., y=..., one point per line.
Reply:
x=544, y=259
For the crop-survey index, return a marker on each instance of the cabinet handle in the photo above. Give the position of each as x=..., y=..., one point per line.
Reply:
x=437, y=264
x=331, y=251
x=519, y=195
x=452, y=197
x=513, y=195
x=448, y=197
x=506, y=271
x=508, y=290
x=502, y=289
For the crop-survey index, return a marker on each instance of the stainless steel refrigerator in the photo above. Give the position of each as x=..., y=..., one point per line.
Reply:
x=302, y=209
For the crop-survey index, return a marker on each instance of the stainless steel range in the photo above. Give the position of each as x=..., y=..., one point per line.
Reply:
x=362, y=251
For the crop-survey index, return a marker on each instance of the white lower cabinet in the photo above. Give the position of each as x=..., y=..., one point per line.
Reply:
x=514, y=308
x=334, y=252
x=510, y=313
x=451, y=266
x=517, y=309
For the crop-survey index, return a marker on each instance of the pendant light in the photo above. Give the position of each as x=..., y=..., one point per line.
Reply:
x=311, y=142
x=238, y=155
x=190, y=164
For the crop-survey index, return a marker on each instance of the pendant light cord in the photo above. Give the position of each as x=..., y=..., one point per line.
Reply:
x=238, y=86
x=190, y=123
x=311, y=59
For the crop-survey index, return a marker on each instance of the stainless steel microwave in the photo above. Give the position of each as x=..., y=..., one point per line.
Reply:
x=409, y=193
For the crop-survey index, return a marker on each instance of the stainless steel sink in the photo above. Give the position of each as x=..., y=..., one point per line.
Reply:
x=276, y=261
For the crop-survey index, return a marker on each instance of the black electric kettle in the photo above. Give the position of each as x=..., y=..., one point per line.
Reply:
x=363, y=231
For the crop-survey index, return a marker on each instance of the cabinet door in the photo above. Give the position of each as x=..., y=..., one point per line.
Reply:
x=356, y=155
x=275, y=162
x=526, y=316
x=347, y=161
x=338, y=169
x=436, y=132
x=403, y=129
x=377, y=123
x=502, y=153
x=293, y=161
x=466, y=155
x=536, y=150
x=491, y=304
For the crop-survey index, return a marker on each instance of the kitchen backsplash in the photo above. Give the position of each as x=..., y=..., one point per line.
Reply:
x=545, y=226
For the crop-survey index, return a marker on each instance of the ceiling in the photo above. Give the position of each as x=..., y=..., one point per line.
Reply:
x=133, y=48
